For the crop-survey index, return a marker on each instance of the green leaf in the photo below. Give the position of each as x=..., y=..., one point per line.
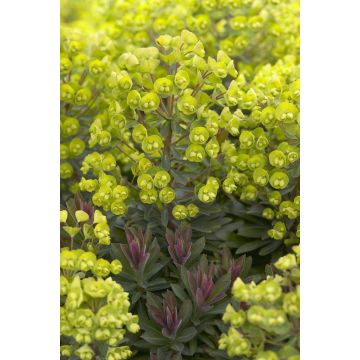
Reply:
x=208, y=225
x=252, y=245
x=183, y=275
x=196, y=248
x=221, y=286
x=186, y=335
x=152, y=270
x=180, y=178
x=164, y=217
x=185, y=311
x=251, y=231
x=206, y=340
x=270, y=248
x=219, y=308
x=158, y=284
x=165, y=162
x=179, y=292
x=246, y=267
x=154, y=338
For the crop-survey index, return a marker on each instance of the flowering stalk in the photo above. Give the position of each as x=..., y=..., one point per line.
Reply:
x=136, y=248
x=179, y=244
x=202, y=286
x=164, y=313
x=231, y=265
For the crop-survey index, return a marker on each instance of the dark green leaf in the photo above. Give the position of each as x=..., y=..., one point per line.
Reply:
x=252, y=245
x=186, y=335
x=178, y=291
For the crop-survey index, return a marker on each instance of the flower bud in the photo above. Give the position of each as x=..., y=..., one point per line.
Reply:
x=148, y=196
x=65, y=65
x=236, y=318
x=96, y=67
x=182, y=79
x=242, y=162
x=86, y=261
x=199, y=135
x=229, y=185
x=212, y=148
x=120, y=192
x=66, y=170
x=288, y=208
x=286, y=112
x=145, y=182
x=161, y=179
x=187, y=104
x=70, y=126
x=116, y=266
x=277, y=159
x=102, y=268
x=139, y=133
x=195, y=153
x=66, y=350
x=291, y=303
x=152, y=144
x=207, y=194
x=124, y=80
x=76, y=147
x=193, y=210
x=260, y=177
x=82, y=96
x=163, y=86
x=274, y=198
x=279, y=180
x=247, y=139
x=180, y=212
x=85, y=352
x=268, y=213
x=262, y=142
x=166, y=195
x=249, y=100
x=118, y=208
x=102, y=232
x=66, y=93
x=286, y=262
x=133, y=99
x=267, y=117
x=149, y=102
x=278, y=231
x=143, y=165
x=68, y=259
x=104, y=138
x=64, y=152
x=256, y=161
x=249, y=193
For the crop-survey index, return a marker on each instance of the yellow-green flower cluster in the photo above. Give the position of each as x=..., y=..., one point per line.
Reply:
x=267, y=310
x=182, y=212
x=249, y=30
x=93, y=233
x=169, y=106
x=94, y=308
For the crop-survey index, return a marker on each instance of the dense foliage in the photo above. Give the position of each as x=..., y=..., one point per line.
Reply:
x=180, y=179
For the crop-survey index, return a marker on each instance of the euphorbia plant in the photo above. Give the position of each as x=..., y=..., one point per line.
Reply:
x=180, y=130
